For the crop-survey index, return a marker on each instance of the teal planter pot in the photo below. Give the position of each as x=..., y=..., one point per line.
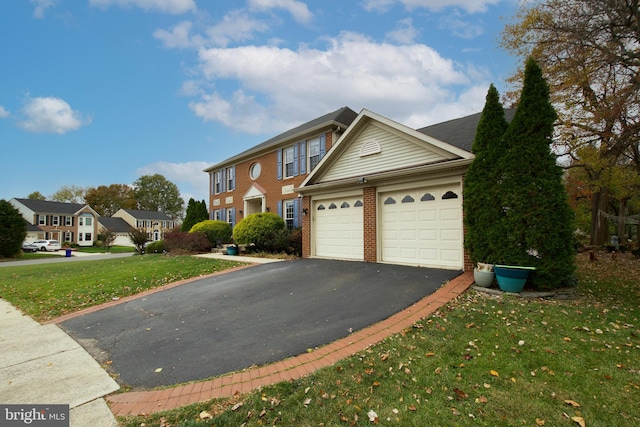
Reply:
x=512, y=278
x=232, y=250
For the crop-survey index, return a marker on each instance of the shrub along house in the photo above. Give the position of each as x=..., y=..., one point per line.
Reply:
x=263, y=178
x=383, y=192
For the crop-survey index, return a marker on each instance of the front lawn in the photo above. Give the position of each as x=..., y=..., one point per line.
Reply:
x=480, y=361
x=46, y=291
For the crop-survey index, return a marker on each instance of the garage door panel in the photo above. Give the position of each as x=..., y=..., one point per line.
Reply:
x=338, y=229
x=425, y=230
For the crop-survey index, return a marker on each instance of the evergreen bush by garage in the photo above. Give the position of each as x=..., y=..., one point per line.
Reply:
x=536, y=225
x=480, y=192
x=266, y=230
x=214, y=230
x=13, y=230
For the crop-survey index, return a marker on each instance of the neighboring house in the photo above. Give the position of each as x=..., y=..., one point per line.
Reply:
x=263, y=178
x=33, y=232
x=65, y=222
x=117, y=226
x=155, y=223
x=384, y=192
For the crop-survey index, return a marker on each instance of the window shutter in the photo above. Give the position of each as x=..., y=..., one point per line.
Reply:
x=233, y=179
x=280, y=208
x=295, y=160
x=303, y=157
x=323, y=146
x=279, y=163
x=223, y=180
x=296, y=213
x=233, y=216
x=212, y=182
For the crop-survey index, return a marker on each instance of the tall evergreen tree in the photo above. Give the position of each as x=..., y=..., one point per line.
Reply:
x=13, y=229
x=203, y=213
x=537, y=222
x=189, y=216
x=480, y=189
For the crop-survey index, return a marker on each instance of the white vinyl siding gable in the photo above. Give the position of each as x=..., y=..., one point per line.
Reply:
x=396, y=151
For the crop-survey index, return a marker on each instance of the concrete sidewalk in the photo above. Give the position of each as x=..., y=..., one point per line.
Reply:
x=40, y=364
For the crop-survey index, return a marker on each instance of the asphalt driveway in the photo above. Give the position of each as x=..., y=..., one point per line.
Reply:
x=257, y=315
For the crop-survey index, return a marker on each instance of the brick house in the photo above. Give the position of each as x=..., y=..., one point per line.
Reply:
x=263, y=178
x=65, y=222
x=383, y=192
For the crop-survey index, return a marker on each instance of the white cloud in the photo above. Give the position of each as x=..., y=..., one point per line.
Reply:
x=404, y=34
x=277, y=88
x=188, y=177
x=174, y=7
x=4, y=113
x=51, y=115
x=459, y=27
x=41, y=6
x=297, y=9
x=471, y=6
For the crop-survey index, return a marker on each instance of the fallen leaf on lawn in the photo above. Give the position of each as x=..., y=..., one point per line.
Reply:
x=487, y=385
x=539, y=422
x=566, y=339
x=373, y=417
x=306, y=402
x=237, y=406
x=263, y=413
x=412, y=408
x=204, y=415
x=430, y=354
x=494, y=373
x=572, y=403
x=579, y=421
x=481, y=399
x=461, y=394
x=158, y=370
x=384, y=357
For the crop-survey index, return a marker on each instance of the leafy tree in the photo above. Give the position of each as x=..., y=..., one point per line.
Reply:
x=590, y=50
x=537, y=222
x=36, y=195
x=69, y=194
x=214, y=230
x=156, y=193
x=107, y=237
x=139, y=238
x=480, y=182
x=194, y=215
x=13, y=230
x=107, y=200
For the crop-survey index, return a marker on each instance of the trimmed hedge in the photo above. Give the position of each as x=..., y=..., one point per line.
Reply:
x=266, y=231
x=214, y=230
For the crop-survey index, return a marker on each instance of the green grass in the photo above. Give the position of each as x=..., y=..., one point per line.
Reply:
x=480, y=361
x=101, y=250
x=46, y=291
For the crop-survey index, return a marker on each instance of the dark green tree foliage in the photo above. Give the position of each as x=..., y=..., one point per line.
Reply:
x=13, y=230
x=537, y=220
x=156, y=193
x=196, y=212
x=480, y=183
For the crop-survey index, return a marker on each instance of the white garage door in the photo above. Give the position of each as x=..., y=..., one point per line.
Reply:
x=422, y=227
x=338, y=228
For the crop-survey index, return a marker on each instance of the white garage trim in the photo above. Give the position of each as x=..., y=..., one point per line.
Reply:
x=338, y=231
x=422, y=226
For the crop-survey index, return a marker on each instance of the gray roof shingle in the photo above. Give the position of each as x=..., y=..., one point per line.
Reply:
x=151, y=215
x=116, y=225
x=46, y=206
x=344, y=116
x=460, y=132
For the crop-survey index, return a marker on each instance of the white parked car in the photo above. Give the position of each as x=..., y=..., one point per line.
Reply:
x=29, y=247
x=47, y=245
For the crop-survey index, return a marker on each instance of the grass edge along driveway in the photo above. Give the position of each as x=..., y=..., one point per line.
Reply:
x=480, y=361
x=47, y=291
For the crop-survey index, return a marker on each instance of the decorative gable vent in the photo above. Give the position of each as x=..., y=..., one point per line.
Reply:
x=369, y=147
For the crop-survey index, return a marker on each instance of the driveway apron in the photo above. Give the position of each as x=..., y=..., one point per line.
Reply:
x=253, y=316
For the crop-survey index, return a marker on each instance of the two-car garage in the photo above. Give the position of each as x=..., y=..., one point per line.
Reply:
x=419, y=226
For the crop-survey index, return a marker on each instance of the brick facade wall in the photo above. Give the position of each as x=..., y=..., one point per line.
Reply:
x=370, y=223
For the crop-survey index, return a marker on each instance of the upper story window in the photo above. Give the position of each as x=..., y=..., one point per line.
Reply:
x=254, y=171
x=55, y=220
x=230, y=179
x=42, y=220
x=217, y=182
x=68, y=220
x=314, y=153
x=87, y=221
x=289, y=162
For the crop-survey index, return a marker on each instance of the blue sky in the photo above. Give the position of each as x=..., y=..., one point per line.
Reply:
x=100, y=92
